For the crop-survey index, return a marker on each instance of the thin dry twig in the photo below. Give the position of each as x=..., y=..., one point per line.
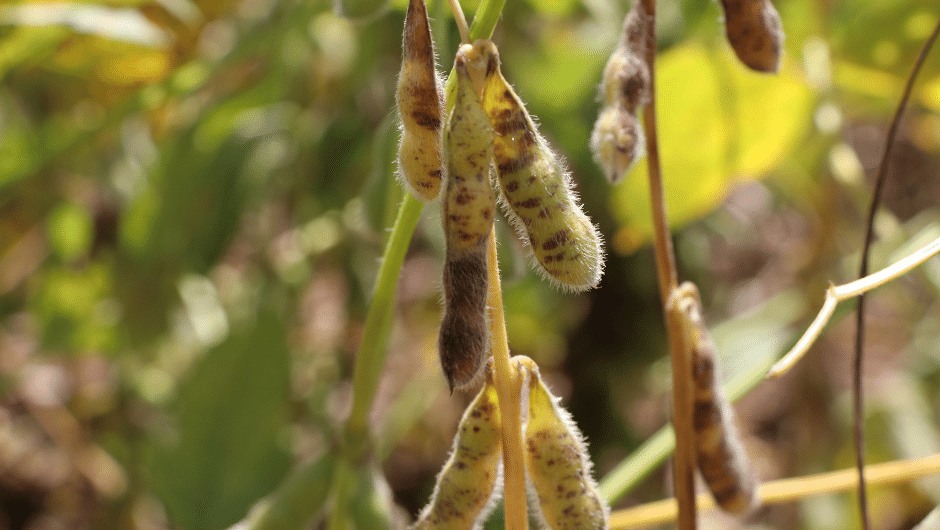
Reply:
x=880, y=179
x=840, y=293
x=787, y=490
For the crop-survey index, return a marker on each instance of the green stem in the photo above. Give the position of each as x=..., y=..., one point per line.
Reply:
x=300, y=496
x=484, y=22
x=371, y=358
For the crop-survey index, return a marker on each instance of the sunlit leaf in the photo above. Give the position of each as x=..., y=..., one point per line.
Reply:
x=70, y=231
x=718, y=125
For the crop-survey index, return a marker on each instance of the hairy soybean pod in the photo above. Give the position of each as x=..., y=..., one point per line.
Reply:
x=626, y=77
x=754, y=32
x=468, y=207
x=470, y=482
x=420, y=105
x=617, y=142
x=617, y=139
x=558, y=464
x=721, y=458
x=537, y=192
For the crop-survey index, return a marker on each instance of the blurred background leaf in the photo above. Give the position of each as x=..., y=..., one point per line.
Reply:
x=228, y=447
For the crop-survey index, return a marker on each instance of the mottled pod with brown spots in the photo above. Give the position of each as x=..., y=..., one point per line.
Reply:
x=469, y=483
x=617, y=142
x=557, y=463
x=626, y=78
x=720, y=456
x=536, y=190
x=421, y=106
x=617, y=139
x=468, y=207
x=755, y=33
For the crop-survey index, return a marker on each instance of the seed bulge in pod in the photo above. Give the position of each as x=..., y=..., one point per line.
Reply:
x=626, y=77
x=755, y=33
x=468, y=207
x=617, y=142
x=536, y=190
x=470, y=482
x=420, y=105
x=720, y=456
x=558, y=465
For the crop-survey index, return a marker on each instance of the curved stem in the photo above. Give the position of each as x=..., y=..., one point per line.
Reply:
x=857, y=394
x=840, y=293
x=371, y=357
x=508, y=380
x=485, y=19
x=684, y=462
x=461, y=21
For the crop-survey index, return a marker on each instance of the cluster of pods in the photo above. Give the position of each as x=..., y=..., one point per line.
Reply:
x=487, y=150
x=488, y=134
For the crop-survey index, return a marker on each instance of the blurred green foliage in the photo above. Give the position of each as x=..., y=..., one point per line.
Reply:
x=195, y=194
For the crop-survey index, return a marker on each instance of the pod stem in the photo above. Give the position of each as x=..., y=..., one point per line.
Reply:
x=461, y=21
x=684, y=462
x=508, y=380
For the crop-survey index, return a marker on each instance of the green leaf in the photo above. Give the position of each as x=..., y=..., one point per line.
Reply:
x=718, y=125
x=70, y=229
x=297, y=500
x=231, y=413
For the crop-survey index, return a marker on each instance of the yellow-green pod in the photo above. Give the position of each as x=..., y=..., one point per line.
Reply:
x=720, y=456
x=468, y=207
x=420, y=105
x=558, y=465
x=536, y=190
x=469, y=484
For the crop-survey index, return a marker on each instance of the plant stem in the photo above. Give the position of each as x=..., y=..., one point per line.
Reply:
x=684, y=462
x=508, y=380
x=485, y=19
x=370, y=360
x=461, y=21
x=787, y=490
x=880, y=179
x=300, y=495
x=840, y=293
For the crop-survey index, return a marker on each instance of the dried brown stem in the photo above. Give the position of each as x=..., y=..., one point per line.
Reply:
x=881, y=177
x=508, y=380
x=684, y=460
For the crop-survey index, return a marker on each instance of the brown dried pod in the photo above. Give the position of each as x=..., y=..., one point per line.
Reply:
x=468, y=207
x=420, y=105
x=617, y=142
x=755, y=33
x=626, y=76
x=617, y=138
x=720, y=455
